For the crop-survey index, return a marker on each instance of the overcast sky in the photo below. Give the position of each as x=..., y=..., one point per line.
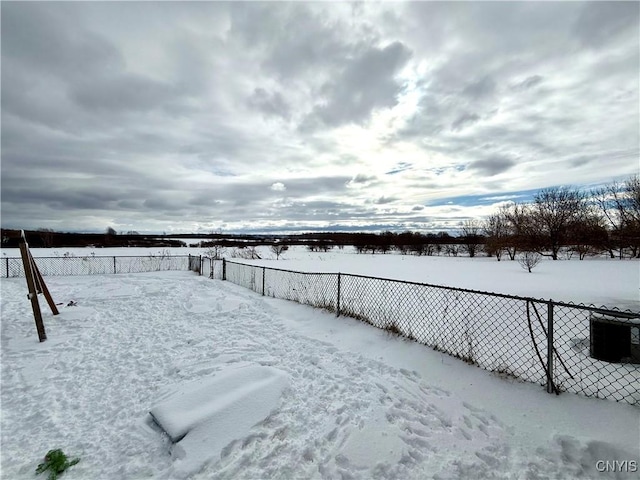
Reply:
x=186, y=117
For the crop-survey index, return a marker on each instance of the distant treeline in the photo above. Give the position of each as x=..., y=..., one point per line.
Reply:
x=383, y=242
x=45, y=238
x=604, y=220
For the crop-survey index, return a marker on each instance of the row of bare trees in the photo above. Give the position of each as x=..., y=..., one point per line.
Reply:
x=605, y=219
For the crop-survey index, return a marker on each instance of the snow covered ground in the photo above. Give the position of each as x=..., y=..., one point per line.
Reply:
x=301, y=394
x=598, y=281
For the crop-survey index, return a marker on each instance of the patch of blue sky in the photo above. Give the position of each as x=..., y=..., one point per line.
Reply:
x=399, y=167
x=519, y=196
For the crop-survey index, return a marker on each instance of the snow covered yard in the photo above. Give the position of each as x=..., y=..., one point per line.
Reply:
x=355, y=401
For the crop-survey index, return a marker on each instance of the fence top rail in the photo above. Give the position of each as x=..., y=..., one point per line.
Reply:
x=82, y=257
x=602, y=310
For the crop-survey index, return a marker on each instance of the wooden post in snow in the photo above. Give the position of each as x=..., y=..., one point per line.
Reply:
x=35, y=285
x=33, y=294
x=43, y=287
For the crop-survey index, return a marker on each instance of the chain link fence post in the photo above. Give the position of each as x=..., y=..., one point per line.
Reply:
x=114, y=265
x=224, y=269
x=338, y=298
x=264, y=271
x=550, y=386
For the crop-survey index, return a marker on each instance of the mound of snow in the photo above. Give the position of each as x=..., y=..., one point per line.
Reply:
x=201, y=418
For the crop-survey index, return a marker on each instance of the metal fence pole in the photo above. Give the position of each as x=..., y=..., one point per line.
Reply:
x=550, y=386
x=264, y=271
x=200, y=271
x=114, y=265
x=338, y=299
x=7, y=260
x=224, y=269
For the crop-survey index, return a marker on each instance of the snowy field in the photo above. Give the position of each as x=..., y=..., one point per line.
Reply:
x=266, y=388
x=599, y=281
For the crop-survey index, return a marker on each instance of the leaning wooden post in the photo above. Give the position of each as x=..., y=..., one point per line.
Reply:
x=43, y=287
x=33, y=295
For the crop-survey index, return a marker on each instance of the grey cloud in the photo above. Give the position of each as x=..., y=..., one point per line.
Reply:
x=46, y=38
x=298, y=38
x=528, y=83
x=55, y=196
x=492, y=166
x=129, y=204
x=121, y=93
x=366, y=83
x=464, y=120
x=361, y=180
x=599, y=22
x=256, y=193
x=384, y=200
x=482, y=88
x=164, y=203
x=269, y=103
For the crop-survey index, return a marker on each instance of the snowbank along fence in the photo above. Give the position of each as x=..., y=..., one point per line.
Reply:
x=97, y=265
x=563, y=346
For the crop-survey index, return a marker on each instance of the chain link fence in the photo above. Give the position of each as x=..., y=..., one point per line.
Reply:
x=97, y=265
x=565, y=347
x=575, y=348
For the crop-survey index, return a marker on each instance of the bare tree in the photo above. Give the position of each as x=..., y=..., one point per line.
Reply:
x=471, y=236
x=632, y=192
x=248, y=253
x=588, y=234
x=518, y=220
x=610, y=201
x=216, y=251
x=529, y=260
x=451, y=249
x=619, y=204
x=111, y=231
x=554, y=210
x=278, y=249
x=496, y=231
